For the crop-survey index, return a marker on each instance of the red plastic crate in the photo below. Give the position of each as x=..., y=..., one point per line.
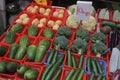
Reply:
x=44, y=67
x=30, y=16
x=66, y=71
x=39, y=68
x=77, y=58
x=6, y=75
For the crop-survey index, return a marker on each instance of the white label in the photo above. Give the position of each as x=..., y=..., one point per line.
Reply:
x=83, y=10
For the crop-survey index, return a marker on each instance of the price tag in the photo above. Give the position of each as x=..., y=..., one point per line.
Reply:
x=83, y=10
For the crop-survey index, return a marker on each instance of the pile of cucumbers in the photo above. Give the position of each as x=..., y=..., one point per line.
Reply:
x=27, y=72
x=94, y=66
x=71, y=61
x=94, y=77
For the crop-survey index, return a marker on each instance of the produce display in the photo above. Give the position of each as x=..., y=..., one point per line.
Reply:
x=51, y=44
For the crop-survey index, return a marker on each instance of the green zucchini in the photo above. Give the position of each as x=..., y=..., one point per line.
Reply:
x=24, y=41
x=50, y=56
x=69, y=60
x=40, y=52
x=13, y=49
x=75, y=76
x=55, y=66
x=73, y=61
x=45, y=43
x=81, y=61
x=3, y=50
x=54, y=57
x=104, y=78
x=55, y=77
x=107, y=23
x=17, y=28
x=10, y=37
x=99, y=77
x=99, y=67
x=94, y=66
x=71, y=73
x=91, y=77
x=46, y=72
x=20, y=53
x=89, y=64
x=31, y=51
x=80, y=75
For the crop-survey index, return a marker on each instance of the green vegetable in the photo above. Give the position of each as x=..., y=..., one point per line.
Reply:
x=17, y=28
x=46, y=72
x=91, y=77
x=71, y=73
x=55, y=66
x=64, y=31
x=24, y=41
x=83, y=34
x=99, y=49
x=60, y=42
x=31, y=74
x=80, y=75
x=22, y=69
x=75, y=75
x=48, y=33
x=100, y=70
x=31, y=52
x=20, y=53
x=73, y=61
x=107, y=23
x=98, y=37
x=32, y=31
x=3, y=65
x=94, y=67
x=79, y=46
x=13, y=50
x=54, y=58
x=10, y=37
x=45, y=43
x=99, y=77
x=81, y=61
x=50, y=57
x=40, y=52
x=89, y=64
x=104, y=78
x=55, y=77
x=69, y=60
x=12, y=67
x=3, y=50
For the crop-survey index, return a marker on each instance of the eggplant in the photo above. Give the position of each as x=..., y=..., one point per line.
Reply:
x=116, y=75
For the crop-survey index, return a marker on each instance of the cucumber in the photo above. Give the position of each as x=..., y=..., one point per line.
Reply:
x=45, y=43
x=17, y=28
x=104, y=78
x=50, y=56
x=55, y=77
x=55, y=66
x=10, y=37
x=88, y=64
x=71, y=73
x=73, y=61
x=20, y=53
x=91, y=77
x=80, y=75
x=54, y=57
x=99, y=77
x=3, y=65
x=13, y=50
x=46, y=72
x=31, y=51
x=40, y=52
x=3, y=50
x=24, y=41
x=69, y=61
x=22, y=69
x=75, y=76
x=81, y=61
x=32, y=31
x=107, y=23
x=99, y=67
x=94, y=66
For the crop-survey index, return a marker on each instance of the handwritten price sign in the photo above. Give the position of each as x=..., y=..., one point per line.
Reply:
x=83, y=10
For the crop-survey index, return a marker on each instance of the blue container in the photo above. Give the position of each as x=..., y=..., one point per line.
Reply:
x=48, y=53
x=102, y=63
